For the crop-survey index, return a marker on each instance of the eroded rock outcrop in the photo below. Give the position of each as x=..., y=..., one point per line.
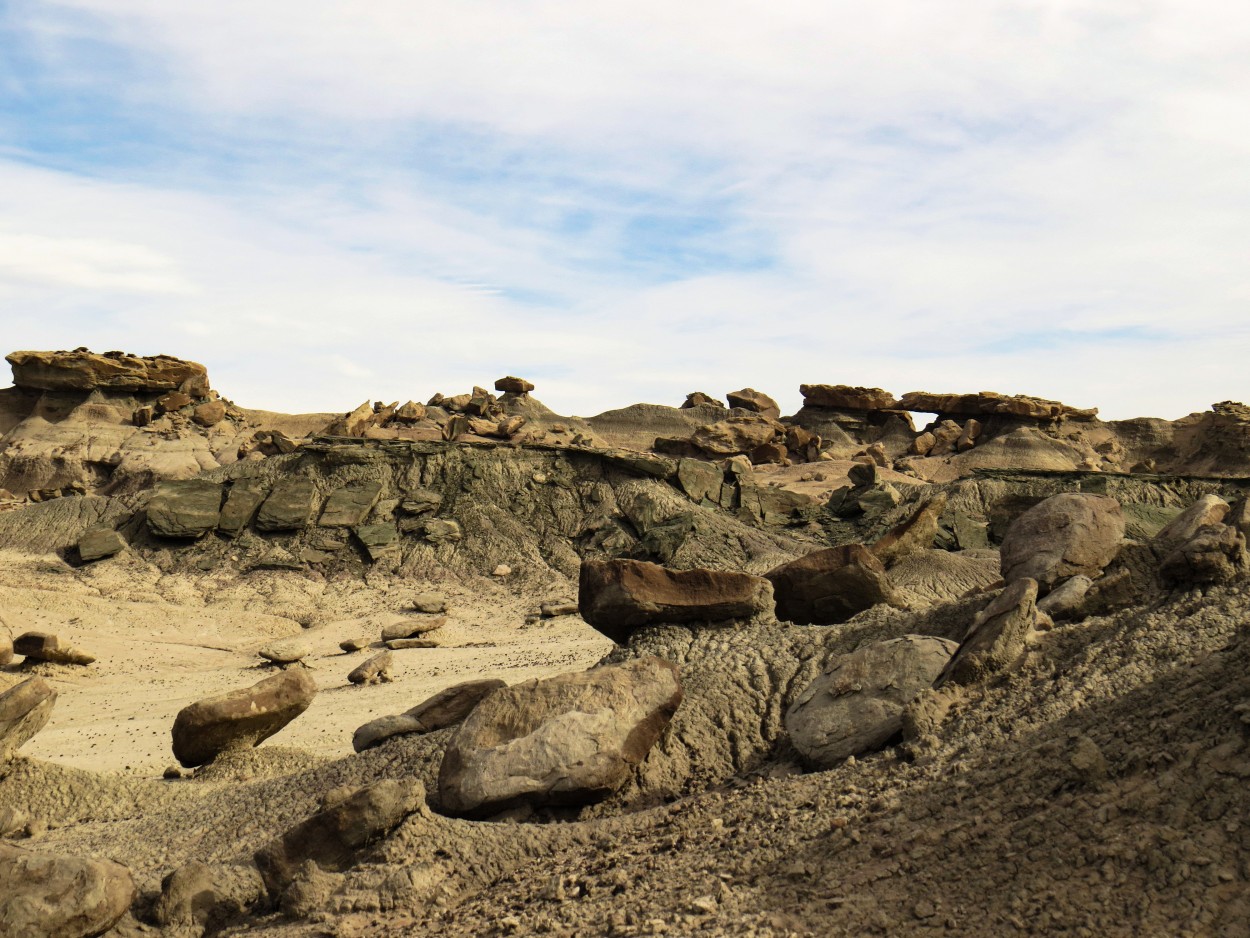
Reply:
x=81, y=370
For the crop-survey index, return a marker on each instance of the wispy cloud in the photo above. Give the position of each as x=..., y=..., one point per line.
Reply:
x=630, y=202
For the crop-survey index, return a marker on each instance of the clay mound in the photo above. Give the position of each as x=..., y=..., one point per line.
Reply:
x=638, y=426
x=938, y=576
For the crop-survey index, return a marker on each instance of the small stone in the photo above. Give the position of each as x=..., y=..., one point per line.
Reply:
x=562, y=608
x=502, y=570
x=411, y=626
x=172, y=772
x=704, y=905
x=354, y=644
x=209, y=414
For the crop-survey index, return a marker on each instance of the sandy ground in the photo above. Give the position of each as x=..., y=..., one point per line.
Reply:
x=155, y=656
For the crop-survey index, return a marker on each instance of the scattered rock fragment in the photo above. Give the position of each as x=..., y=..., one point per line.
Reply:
x=758, y=401
x=51, y=896
x=915, y=534
x=354, y=644
x=569, y=739
x=442, y=531
x=1066, y=600
x=553, y=610
x=242, y=718
x=429, y=603
x=399, y=644
x=1215, y=553
x=1206, y=511
x=699, y=399
x=617, y=597
x=199, y=897
x=209, y=414
x=24, y=711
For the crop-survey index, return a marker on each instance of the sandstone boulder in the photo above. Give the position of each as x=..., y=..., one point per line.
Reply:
x=617, y=597
x=758, y=401
x=288, y=507
x=567, y=740
x=401, y=626
x=829, y=586
x=24, y=711
x=376, y=670
x=736, y=435
x=1063, y=536
x=81, y=370
x=241, y=718
x=1067, y=600
x=198, y=897
x=333, y=837
x=98, y=543
x=286, y=652
x=699, y=399
x=43, y=646
x=997, y=637
x=845, y=397
x=429, y=603
x=857, y=704
x=399, y=644
x=700, y=479
x=1215, y=553
x=186, y=509
x=513, y=385
x=446, y=708
x=1206, y=511
x=209, y=414
x=50, y=896
x=6, y=649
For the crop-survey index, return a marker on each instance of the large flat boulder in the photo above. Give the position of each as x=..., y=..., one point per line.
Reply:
x=757, y=401
x=985, y=403
x=1063, y=536
x=24, y=711
x=856, y=705
x=829, y=586
x=1207, y=511
x=241, y=718
x=81, y=370
x=568, y=740
x=186, y=509
x=846, y=397
x=736, y=435
x=45, y=895
x=617, y=597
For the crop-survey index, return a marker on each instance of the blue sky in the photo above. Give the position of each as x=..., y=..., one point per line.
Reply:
x=326, y=202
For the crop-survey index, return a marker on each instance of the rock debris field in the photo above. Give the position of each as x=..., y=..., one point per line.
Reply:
x=470, y=667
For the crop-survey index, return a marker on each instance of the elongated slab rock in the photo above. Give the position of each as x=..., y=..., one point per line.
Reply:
x=42, y=646
x=446, y=708
x=997, y=636
x=24, y=711
x=617, y=597
x=567, y=740
x=52, y=896
x=241, y=718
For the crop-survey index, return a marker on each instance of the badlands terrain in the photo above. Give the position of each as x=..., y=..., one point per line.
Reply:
x=918, y=664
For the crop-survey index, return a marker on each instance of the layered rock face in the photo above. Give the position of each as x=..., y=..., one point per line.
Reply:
x=81, y=370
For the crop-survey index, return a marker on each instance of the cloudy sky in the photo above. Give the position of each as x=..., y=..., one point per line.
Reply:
x=325, y=201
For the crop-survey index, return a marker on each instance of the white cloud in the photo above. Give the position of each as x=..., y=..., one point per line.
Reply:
x=1030, y=196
